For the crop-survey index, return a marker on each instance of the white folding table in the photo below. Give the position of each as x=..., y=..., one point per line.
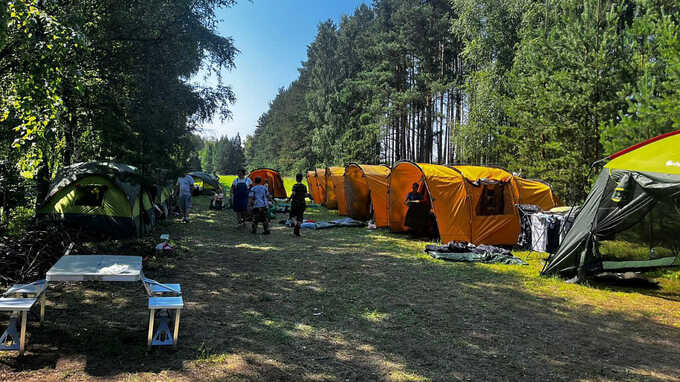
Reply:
x=96, y=268
x=121, y=268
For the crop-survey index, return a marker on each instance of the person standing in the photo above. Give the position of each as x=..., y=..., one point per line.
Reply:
x=184, y=188
x=240, y=188
x=259, y=200
x=297, y=204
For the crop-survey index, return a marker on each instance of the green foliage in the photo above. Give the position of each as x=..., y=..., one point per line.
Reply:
x=109, y=80
x=224, y=155
x=653, y=95
x=565, y=83
x=541, y=88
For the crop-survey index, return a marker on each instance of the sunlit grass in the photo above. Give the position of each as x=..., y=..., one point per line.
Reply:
x=288, y=182
x=357, y=304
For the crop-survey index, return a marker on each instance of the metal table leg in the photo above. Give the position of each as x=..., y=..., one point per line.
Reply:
x=152, y=314
x=176, y=332
x=22, y=336
x=43, y=299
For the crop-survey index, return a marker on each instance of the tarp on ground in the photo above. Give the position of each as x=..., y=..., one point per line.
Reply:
x=463, y=252
x=273, y=179
x=366, y=186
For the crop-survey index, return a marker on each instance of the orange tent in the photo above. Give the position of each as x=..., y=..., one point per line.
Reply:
x=313, y=186
x=470, y=203
x=273, y=179
x=321, y=184
x=335, y=189
x=366, y=185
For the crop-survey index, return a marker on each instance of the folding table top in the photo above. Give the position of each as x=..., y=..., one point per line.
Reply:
x=96, y=268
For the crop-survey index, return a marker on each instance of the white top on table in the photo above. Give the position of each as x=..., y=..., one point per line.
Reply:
x=96, y=268
x=16, y=304
x=35, y=288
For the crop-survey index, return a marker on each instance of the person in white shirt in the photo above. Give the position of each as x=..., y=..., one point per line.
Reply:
x=184, y=187
x=259, y=200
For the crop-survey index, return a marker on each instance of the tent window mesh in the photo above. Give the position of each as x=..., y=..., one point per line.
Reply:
x=492, y=200
x=653, y=236
x=90, y=195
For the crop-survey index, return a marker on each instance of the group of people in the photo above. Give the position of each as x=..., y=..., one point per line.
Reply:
x=254, y=199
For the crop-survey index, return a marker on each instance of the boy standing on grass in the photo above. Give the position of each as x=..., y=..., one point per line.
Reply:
x=259, y=200
x=297, y=204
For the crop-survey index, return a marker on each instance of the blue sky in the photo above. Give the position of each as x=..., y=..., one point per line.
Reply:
x=272, y=36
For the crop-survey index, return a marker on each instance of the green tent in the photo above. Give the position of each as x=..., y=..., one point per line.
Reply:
x=100, y=197
x=631, y=218
x=211, y=183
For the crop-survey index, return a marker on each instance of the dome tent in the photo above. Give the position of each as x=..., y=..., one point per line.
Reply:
x=271, y=177
x=634, y=204
x=101, y=197
x=211, y=183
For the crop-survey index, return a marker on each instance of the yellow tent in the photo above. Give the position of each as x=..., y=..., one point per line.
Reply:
x=335, y=189
x=531, y=191
x=313, y=186
x=470, y=203
x=321, y=184
x=366, y=186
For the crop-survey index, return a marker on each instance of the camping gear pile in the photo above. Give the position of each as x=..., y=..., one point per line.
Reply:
x=543, y=231
x=467, y=252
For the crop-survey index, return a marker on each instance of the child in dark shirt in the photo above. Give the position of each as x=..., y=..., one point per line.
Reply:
x=297, y=204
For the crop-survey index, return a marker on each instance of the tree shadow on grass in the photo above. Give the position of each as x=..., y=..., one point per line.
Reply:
x=352, y=304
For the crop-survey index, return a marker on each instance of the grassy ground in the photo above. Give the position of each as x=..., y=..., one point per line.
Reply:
x=350, y=304
x=288, y=182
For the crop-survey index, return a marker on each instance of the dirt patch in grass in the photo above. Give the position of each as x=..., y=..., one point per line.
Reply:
x=350, y=304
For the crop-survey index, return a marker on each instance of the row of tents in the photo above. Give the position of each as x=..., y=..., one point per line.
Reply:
x=113, y=199
x=470, y=203
x=116, y=201
x=629, y=221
